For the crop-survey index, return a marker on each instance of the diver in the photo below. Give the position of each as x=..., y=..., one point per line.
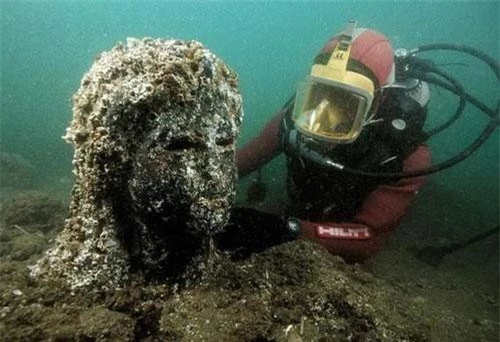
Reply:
x=353, y=136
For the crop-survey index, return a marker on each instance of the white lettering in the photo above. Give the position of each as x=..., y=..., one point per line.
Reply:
x=345, y=233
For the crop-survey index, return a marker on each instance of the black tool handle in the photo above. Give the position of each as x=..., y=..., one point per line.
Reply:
x=476, y=238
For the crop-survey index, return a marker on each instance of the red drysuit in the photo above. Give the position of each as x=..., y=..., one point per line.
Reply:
x=379, y=214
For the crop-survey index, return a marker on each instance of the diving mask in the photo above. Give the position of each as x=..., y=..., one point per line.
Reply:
x=333, y=102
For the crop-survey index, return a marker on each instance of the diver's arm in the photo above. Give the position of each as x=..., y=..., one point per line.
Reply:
x=379, y=215
x=262, y=148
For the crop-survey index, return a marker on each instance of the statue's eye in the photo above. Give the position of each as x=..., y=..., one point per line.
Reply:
x=185, y=143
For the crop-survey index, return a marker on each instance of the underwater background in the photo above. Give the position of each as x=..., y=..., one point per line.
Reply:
x=46, y=47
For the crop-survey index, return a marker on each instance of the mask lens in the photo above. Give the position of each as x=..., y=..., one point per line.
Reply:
x=329, y=112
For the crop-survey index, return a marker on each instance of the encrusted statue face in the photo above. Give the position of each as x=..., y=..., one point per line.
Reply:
x=184, y=173
x=154, y=129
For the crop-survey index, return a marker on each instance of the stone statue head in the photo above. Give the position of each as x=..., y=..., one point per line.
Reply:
x=154, y=129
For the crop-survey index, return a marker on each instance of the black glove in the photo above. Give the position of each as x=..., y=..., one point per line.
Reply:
x=251, y=231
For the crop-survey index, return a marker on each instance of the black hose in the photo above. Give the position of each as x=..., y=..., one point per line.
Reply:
x=490, y=128
x=288, y=103
x=458, y=89
x=473, y=100
x=491, y=62
x=488, y=60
